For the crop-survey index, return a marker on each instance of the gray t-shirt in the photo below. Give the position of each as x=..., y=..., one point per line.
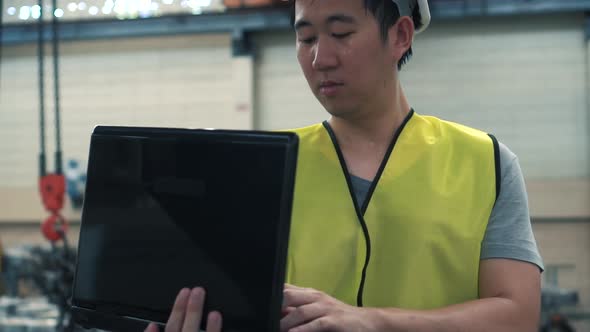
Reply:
x=509, y=233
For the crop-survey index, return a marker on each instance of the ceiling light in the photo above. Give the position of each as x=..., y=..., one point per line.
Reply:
x=108, y=7
x=119, y=7
x=24, y=13
x=35, y=11
x=202, y=3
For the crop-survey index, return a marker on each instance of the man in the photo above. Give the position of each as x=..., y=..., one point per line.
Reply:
x=401, y=222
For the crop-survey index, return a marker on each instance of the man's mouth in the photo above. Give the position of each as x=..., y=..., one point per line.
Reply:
x=329, y=88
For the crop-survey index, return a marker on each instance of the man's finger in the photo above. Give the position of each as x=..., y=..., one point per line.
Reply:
x=302, y=315
x=289, y=286
x=297, y=297
x=176, y=319
x=214, y=322
x=194, y=310
x=152, y=327
x=318, y=325
x=286, y=311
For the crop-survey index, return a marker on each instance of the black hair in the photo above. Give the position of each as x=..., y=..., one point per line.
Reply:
x=387, y=14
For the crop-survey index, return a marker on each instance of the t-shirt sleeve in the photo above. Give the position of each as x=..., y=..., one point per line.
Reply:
x=509, y=233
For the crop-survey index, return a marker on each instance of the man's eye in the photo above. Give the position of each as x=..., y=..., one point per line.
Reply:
x=341, y=35
x=307, y=40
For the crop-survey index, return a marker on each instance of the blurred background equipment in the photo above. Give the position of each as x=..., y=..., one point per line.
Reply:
x=75, y=183
x=52, y=186
x=49, y=271
x=554, y=302
x=557, y=323
x=38, y=282
x=30, y=314
x=2, y=266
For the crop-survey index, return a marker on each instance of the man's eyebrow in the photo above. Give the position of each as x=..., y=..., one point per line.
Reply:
x=331, y=19
x=301, y=24
x=340, y=18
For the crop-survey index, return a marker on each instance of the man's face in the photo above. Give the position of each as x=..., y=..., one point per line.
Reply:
x=339, y=47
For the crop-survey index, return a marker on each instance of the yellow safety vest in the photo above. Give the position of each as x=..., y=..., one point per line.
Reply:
x=416, y=244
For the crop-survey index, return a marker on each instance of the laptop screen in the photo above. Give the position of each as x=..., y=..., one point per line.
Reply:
x=164, y=212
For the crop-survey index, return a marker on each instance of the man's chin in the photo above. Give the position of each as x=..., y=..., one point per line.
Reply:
x=339, y=112
x=335, y=107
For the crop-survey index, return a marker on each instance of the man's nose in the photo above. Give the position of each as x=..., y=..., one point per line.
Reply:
x=324, y=56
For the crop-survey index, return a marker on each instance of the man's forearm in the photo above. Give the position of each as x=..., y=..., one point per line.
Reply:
x=489, y=314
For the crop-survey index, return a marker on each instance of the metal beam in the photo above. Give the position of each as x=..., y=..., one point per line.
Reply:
x=241, y=44
x=241, y=21
x=558, y=220
x=245, y=21
x=469, y=8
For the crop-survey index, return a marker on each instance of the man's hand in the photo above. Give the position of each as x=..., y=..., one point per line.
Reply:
x=309, y=310
x=510, y=296
x=187, y=314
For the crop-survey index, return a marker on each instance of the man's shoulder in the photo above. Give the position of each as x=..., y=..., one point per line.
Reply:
x=446, y=129
x=304, y=132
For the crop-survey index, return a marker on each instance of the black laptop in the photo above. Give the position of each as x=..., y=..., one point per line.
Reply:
x=172, y=208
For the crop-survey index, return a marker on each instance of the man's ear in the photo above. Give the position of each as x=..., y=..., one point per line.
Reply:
x=400, y=36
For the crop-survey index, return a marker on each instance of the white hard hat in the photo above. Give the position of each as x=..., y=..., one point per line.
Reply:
x=406, y=8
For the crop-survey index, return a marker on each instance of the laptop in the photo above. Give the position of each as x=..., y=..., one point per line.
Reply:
x=172, y=208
